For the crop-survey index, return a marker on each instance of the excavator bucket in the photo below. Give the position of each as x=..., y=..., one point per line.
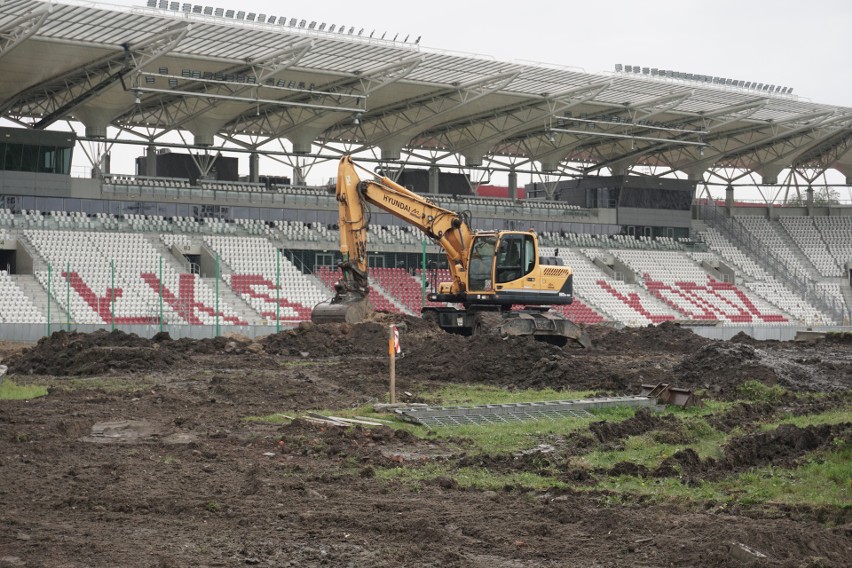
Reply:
x=343, y=312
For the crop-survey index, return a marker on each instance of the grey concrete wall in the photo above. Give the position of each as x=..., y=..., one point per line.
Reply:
x=654, y=217
x=26, y=332
x=779, y=333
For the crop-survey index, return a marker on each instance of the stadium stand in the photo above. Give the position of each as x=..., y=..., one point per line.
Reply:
x=15, y=305
x=808, y=240
x=253, y=262
x=671, y=283
x=115, y=278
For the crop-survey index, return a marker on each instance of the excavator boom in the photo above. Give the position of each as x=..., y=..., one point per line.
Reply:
x=448, y=229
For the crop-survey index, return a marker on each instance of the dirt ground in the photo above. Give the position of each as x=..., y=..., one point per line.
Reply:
x=140, y=454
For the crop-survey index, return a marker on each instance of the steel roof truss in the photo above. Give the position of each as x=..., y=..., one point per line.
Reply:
x=19, y=29
x=420, y=117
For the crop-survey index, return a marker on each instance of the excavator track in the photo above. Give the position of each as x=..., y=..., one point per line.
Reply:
x=544, y=326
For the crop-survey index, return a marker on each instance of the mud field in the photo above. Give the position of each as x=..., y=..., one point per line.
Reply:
x=140, y=455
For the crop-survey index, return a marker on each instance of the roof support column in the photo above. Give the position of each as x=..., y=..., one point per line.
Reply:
x=729, y=200
x=151, y=160
x=254, y=167
x=513, y=184
x=809, y=200
x=434, y=180
x=298, y=176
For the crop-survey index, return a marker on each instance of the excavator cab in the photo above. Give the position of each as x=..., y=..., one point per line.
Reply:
x=482, y=252
x=516, y=257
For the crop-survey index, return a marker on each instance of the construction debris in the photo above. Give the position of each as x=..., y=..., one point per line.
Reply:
x=665, y=393
x=315, y=418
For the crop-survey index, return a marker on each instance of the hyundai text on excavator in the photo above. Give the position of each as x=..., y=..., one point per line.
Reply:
x=491, y=271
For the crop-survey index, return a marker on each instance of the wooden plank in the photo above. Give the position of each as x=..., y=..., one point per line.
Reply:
x=354, y=421
x=373, y=419
x=327, y=419
x=323, y=422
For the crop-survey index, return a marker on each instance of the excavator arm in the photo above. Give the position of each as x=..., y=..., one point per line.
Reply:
x=446, y=228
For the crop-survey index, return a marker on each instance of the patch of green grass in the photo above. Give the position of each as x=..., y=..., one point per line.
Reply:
x=643, y=450
x=757, y=391
x=709, y=407
x=458, y=395
x=9, y=390
x=824, y=479
x=659, y=489
x=513, y=436
x=836, y=416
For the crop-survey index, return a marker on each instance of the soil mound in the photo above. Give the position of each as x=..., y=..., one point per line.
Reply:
x=378, y=446
x=328, y=340
x=722, y=366
x=209, y=345
x=842, y=338
x=643, y=421
x=665, y=337
x=540, y=461
x=87, y=354
x=512, y=362
x=742, y=414
x=782, y=445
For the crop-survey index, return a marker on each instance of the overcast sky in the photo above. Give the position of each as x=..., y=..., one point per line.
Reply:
x=805, y=45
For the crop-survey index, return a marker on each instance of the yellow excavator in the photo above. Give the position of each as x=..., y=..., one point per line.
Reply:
x=499, y=284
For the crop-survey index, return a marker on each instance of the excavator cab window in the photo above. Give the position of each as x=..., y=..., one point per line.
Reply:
x=515, y=258
x=481, y=260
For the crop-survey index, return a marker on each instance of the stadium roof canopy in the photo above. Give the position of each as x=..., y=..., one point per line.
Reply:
x=268, y=83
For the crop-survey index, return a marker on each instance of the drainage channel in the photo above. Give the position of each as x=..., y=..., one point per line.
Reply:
x=517, y=412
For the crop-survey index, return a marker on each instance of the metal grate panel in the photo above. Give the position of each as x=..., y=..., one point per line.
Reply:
x=516, y=412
